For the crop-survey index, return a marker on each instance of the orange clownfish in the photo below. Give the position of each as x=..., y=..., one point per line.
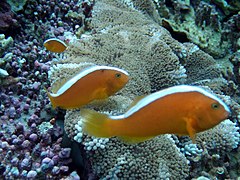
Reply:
x=92, y=83
x=182, y=110
x=55, y=45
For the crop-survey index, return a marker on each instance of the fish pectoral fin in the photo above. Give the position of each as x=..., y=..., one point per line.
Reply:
x=100, y=94
x=134, y=140
x=191, y=131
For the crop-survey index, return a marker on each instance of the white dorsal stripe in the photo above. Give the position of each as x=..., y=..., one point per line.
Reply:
x=172, y=90
x=55, y=39
x=81, y=74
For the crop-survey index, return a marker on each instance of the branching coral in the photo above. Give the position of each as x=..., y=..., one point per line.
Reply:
x=5, y=43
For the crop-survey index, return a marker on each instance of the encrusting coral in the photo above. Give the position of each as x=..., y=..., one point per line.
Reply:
x=201, y=22
x=125, y=38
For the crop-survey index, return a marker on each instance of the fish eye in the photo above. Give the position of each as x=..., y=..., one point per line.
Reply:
x=215, y=106
x=117, y=75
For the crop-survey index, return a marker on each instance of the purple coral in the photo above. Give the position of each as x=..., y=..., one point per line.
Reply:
x=26, y=149
x=7, y=20
x=22, y=150
x=31, y=174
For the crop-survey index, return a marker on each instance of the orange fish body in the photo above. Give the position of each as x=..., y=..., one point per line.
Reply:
x=182, y=110
x=96, y=82
x=55, y=45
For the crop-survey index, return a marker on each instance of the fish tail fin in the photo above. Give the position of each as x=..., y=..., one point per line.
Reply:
x=95, y=123
x=51, y=98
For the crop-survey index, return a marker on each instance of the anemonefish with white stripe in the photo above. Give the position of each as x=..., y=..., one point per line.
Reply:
x=55, y=45
x=181, y=110
x=92, y=83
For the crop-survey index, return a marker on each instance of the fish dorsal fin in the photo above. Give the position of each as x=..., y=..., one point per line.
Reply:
x=136, y=100
x=134, y=140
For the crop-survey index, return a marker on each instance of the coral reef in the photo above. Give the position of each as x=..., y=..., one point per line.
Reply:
x=223, y=138
x=153, y=41
x=29, y=152
x=7, y=21
x=197, y=58
x=3, y=73
x=123, y=37
x=16, y=5
x=28, y=144
x=201, y=22
x=230, y=31
x=31, y=146
x=5, y=43
x=228, y=7
x=235, y=60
